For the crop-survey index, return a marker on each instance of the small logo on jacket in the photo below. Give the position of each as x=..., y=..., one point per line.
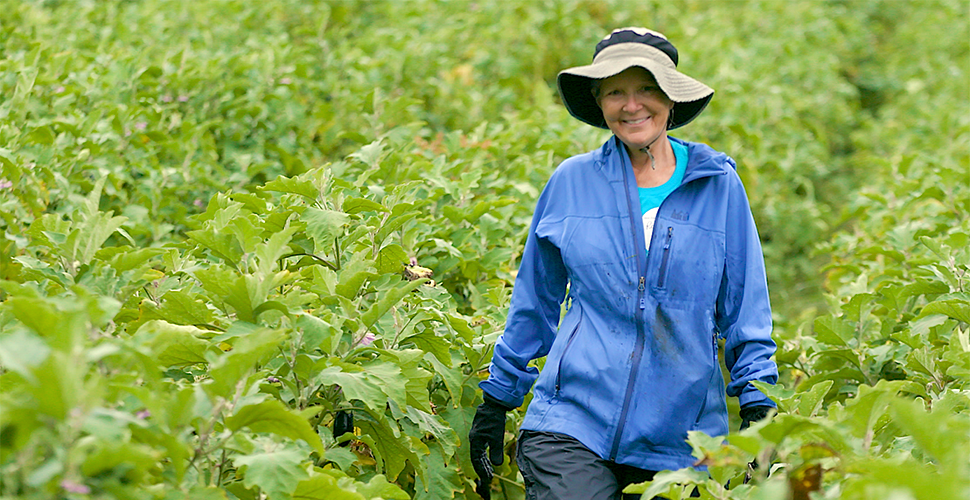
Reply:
x=678, y=215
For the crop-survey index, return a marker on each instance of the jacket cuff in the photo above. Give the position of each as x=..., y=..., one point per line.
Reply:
x=489, y=400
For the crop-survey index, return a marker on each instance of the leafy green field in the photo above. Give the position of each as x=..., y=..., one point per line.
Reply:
x=208, y=209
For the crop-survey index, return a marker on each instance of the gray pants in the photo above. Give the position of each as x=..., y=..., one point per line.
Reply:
x=558, y=467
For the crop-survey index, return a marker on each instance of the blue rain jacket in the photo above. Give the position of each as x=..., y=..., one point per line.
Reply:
x=632, y=366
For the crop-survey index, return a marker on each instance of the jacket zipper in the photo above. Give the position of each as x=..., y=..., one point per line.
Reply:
x=662, y=279
x=641, y=270
x=569, y=342
x=638, y=347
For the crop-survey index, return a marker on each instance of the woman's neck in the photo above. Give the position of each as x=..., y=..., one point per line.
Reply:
x=655, y=165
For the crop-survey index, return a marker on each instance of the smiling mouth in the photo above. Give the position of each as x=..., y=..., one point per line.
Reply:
x=636, y=122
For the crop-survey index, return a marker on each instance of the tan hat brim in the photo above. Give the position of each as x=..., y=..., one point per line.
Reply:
x=690, y=96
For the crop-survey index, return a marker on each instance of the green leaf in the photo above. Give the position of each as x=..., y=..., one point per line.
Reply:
x=274, y=418
x=21, y=352
x=276, y=473
x=88, y=236
x=61, y=322
x=222, y=245
x=295, y=185
x=355, y=385
x=229, y=369
x=323, y=485
x=131, y=259
x=811, y=402
x=390, y=446
x=316, y=333
x=357, y=205
x=370, y=154
x=393, y=224
x=957, y=309
x=173, y=345
x=667, y=481
x=182, y=308
x=273, y=249
x=378, y=487
x=452, y=376
x=832, y=330
x=391, y=259
x=387, y=301
x=352, y=276
x=324, y=226
x=440, y=480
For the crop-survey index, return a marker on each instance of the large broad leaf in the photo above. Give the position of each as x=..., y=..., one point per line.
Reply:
x=434, y=426
x=958, y=309
x=229, y=369
x=60, y=322
x=273, y=417
x=393, y=224
x=452, y=376
x=302, y=187
x=182, y=308
x=811, y=402
x=324, y=226
x=173, y=345
x=21, y=352
x=389, y=300
x=391, y=259
x=276, y=473
x=222, y=245
x=88, y=236
x=441, y=479
x=275, y=247
x=668, y=482
x=322, y=485
x=356, y=205
x=378, y=487
x=355, y=385
x=388, y=377
x=390, y=446
x=832, y=330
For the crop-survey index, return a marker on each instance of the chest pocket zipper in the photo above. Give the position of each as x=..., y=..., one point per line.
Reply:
x=665, y=258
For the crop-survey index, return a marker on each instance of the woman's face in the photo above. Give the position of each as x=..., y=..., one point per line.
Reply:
x=634, y=107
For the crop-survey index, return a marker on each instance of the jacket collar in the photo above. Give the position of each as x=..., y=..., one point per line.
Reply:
x=703, y=161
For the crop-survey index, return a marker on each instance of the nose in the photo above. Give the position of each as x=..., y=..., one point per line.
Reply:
x=631, y=104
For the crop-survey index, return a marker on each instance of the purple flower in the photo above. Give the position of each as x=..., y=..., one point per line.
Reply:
x=4, y=184
x=285, y=81
x=166, y=98
x=141, y=125
x=183, y=98
x=71, y=486
x=198, y=203
x=143, y=414
x=273, y=380
x=368, y=339
x=58, y=90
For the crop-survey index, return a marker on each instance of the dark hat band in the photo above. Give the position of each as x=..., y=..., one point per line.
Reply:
x=646, y=38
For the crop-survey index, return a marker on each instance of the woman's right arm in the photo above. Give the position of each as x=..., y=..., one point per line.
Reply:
x=540, y=287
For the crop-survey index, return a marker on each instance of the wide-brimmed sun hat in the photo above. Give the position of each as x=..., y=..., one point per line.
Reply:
x=625, y=48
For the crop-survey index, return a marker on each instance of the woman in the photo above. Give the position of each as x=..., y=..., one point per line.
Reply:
x=654, y=240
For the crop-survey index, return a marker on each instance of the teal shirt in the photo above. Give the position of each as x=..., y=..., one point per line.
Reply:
x=652, y=197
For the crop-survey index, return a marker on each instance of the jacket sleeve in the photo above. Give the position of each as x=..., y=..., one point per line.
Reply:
x=743, y=307
x=533, y=318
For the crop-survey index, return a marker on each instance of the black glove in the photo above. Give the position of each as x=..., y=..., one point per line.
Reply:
x=753, y=414
x=343, y=422
x=487, y=432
